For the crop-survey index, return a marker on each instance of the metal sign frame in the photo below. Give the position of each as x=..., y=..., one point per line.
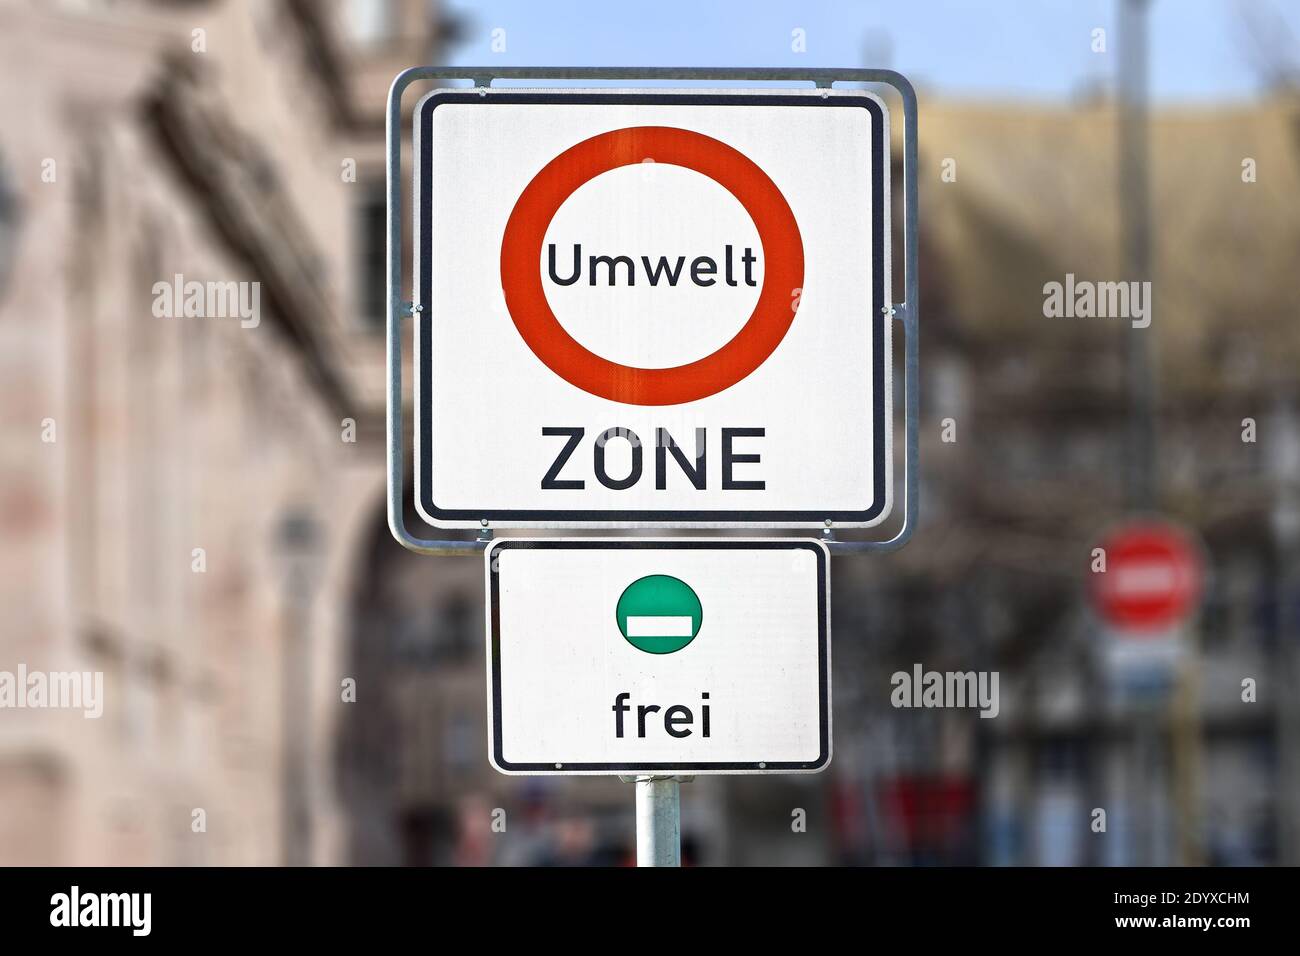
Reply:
x=399, y=307
x=434, y=406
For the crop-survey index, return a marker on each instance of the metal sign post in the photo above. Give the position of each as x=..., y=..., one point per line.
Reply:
x=658, y=821
x=532, y=208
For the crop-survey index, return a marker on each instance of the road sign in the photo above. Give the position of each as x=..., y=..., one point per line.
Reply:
x=652, y=308
x=627, y=656
x=1150, y=587
x=1152, y=579
x=659, y=614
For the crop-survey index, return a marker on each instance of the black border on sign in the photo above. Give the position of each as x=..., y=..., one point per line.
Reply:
x=423, y=293
x=614, y=544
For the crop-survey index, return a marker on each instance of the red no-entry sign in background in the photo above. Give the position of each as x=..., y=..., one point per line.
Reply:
x=1153, y=579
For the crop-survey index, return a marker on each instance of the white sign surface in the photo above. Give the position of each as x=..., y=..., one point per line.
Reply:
x=658, y=656
x=652, y=308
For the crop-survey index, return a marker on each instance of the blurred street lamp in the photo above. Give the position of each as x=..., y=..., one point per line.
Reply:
x=1135, y=234
x=298, y=547
x=1143, y=484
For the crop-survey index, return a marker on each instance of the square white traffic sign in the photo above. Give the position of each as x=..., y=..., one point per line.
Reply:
x=627, y=656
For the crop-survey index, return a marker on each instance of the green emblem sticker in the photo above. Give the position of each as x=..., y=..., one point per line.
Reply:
x=659, y=614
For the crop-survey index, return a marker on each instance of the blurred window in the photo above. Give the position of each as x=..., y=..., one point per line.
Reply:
x=9, y=218
x=443, y=633
x=461, y=743
x=372, y=257
x=368, y=22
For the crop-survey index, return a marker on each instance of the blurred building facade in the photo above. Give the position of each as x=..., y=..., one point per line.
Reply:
x=206, y=526
x=153, y=536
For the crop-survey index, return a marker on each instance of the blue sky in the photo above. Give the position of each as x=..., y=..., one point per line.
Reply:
x=1039, y=49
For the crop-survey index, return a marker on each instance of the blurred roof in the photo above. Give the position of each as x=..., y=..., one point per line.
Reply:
x=1037, y=197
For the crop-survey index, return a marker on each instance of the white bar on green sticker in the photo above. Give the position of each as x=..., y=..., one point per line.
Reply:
x=659, y=625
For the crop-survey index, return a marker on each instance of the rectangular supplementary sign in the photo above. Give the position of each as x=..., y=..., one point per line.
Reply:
x=627, y=656
x=652, y=308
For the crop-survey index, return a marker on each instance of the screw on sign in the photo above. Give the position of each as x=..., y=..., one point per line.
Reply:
x=1153, y=577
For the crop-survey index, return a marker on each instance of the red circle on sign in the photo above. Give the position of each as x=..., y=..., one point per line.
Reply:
x=1152, y=580
x=521, y=277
